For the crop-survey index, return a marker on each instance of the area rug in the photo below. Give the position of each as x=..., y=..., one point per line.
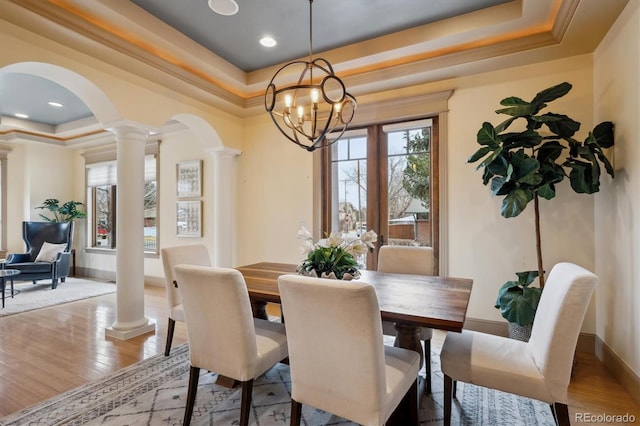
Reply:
x=153, y=392
x=35, y=296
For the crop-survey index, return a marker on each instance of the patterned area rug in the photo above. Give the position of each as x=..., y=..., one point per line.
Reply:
x=153, y=392
x=35, y=296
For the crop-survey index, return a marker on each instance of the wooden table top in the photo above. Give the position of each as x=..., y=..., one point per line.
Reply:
x=435, y=302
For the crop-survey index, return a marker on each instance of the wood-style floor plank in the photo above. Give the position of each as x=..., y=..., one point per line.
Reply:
x=49, y=351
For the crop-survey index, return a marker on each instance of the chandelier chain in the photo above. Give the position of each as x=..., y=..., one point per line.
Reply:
x=310, y=30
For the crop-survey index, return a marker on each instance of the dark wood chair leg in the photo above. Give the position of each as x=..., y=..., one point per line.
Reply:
x=561, y=413
x=413, y=403
x=170, y=328
x=245, y=407
x=427, y=365
x=296, y=413
x=448, y=393
x=194, y=377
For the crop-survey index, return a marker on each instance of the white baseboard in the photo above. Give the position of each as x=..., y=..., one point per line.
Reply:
x=620, y=370
x=111, y=276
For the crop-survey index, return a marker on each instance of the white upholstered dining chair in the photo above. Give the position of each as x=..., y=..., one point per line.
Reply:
x=223, y=335
x=196, y=254
x=337, y=356
x=409, y=260
x=538, y=369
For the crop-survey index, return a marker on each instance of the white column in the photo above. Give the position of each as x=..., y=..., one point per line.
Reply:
x=130, y=320
x=224, y=205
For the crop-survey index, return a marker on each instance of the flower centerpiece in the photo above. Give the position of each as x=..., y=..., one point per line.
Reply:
x=334, y=256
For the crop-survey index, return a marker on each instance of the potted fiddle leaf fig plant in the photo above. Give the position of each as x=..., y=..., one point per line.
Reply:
x=526, y=165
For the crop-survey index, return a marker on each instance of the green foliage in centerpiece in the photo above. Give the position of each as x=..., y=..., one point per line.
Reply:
x=333, y=255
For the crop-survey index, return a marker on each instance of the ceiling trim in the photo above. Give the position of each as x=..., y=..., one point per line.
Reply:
x=170, y=52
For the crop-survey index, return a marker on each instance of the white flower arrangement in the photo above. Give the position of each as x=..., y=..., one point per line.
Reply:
x=334, y=256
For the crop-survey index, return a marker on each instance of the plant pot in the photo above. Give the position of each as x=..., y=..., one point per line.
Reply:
x=518, y=332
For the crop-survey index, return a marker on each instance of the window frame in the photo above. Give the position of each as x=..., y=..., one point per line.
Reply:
x=377, y=160
x=106, y=155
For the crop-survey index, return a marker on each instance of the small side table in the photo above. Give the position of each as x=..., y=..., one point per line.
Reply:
x=4, y=275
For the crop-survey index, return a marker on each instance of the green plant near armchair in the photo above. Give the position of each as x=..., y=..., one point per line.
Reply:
x=66, y=212
x=526, y=165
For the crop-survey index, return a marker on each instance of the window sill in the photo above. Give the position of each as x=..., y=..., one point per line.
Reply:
x=109, y=251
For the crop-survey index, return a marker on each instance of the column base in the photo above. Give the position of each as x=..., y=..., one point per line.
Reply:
x=131, y=333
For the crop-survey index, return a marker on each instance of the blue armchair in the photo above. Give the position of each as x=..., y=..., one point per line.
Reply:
x=35, y=234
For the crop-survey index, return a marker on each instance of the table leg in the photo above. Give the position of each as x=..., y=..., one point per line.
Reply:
x=2, y=284
x=408, y=337
x=259, y=310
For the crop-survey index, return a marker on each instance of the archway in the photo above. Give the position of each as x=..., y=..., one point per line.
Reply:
x=95, y=99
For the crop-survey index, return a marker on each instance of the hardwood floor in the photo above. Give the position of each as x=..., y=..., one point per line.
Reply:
x=49, y=351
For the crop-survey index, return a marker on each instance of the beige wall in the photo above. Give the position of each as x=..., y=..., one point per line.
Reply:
x=35, y=172
x=274, y=177
x=274, y=194
x=276, y=188
x=617, y=94
x=484, y=245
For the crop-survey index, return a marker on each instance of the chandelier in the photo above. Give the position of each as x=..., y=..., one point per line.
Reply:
x=316, y=106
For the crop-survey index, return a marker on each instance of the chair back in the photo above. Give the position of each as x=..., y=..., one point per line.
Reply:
x=35, y=234
x=196, y=254
x=558, y=320
x=406, y=260
x=336, y=349
x=219, y=321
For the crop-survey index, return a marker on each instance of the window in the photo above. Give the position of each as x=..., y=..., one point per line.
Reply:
x=379, y=177
x=101, y=194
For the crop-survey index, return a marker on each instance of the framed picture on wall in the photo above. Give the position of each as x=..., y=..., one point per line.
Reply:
x=189, y=178
x=189, y=218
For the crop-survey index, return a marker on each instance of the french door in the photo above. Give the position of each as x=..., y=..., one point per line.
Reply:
x=384, y=177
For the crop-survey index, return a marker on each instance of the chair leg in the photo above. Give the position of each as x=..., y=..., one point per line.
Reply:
x=448, y=385
x=245, y=407
x=194, y=376
x=413, y=403
x=561, y=414
x=54, y=283
x=455, y=389
x=427, y=365
x=296, y=413
x=170, y=328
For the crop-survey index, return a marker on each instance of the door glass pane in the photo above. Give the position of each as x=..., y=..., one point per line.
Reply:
x=409, y=169
x=349, y=188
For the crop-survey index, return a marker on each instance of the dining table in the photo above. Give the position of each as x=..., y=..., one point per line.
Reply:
x=411, y=301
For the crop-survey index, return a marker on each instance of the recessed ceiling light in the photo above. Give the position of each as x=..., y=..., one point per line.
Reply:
x=55, y=104
x=268, y=41
x=20, y=115
x=224, y=7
